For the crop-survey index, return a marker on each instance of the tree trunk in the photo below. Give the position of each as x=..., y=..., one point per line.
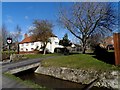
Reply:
x=83, y=47
x=44, y=52
x=83, y=50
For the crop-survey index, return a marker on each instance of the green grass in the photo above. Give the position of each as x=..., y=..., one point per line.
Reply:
x=28, y=83
x=39, y=55
x=79, y=61
x=7, y=52
x=110, y=50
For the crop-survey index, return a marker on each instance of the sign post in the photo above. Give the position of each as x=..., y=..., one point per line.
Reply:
x=9, y=41
x=116, y=37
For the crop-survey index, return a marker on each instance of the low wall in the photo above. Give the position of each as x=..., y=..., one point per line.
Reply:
x=23, y=68
x=107, y=79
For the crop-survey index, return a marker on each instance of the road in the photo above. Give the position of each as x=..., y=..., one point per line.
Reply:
x=10, y=83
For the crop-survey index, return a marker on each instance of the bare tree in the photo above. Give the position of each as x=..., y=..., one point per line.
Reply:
x=85, y=19
x=42, y=31
x=94, y=40
x=16, y=36
x=1, y=42
x=5, y=34
x=17, y=33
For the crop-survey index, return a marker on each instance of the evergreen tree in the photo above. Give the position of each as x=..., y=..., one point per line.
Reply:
x=65, y=41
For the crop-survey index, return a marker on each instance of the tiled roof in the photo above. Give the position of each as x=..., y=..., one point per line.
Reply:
x=27, y=40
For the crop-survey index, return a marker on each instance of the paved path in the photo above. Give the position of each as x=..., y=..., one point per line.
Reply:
x=12, y=65
x=10, y=83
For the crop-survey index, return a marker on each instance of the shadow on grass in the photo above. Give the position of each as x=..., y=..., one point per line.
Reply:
x=107, y=57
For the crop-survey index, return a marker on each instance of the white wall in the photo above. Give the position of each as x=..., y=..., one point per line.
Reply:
x=54, y=43
x=50, y=45
x=30, y=46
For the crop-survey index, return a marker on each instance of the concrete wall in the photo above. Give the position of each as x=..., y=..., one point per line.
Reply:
x=107, y=79
x=20, y=69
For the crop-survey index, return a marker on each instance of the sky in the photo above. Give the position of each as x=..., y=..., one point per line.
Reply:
x=24, y=13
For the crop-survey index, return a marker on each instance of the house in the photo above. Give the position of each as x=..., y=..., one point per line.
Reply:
x=108, y=42
x=27, y=45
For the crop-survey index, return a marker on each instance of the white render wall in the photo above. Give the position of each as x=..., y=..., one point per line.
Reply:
x=30, y=46
x=54, y=43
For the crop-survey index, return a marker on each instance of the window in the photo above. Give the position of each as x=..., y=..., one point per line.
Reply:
x=22, y=44
x=21, y=49
x=32, y=43
x=26, y=49
x=32, y=49
x=56, y=43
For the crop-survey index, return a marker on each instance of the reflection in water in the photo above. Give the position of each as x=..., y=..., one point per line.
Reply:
x=51, y=82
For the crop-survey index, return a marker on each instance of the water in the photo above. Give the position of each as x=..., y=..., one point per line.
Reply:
x=51, y=82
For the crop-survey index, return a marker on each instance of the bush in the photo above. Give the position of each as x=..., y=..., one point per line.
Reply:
x=64, y=51
x=99, y=51
x=5, y=54
x=16, y=57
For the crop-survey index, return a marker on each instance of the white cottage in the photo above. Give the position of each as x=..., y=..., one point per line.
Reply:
x=27, y=45
x=54, y=43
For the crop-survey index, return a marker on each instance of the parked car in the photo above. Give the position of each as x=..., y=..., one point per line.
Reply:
x=110, y=47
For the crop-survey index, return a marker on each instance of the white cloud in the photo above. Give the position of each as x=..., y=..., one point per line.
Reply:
x=26, y=17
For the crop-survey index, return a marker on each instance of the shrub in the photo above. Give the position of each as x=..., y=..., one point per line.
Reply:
x=99, y=51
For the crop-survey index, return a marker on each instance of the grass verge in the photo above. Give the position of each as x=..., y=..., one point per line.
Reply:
x=28, y=83
x=79, y=61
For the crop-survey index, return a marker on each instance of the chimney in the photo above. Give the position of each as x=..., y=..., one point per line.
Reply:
x=25, y=36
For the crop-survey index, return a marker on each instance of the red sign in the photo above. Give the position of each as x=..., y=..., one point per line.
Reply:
x=9, y=40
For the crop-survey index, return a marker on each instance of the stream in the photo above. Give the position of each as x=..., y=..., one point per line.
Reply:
x=51, y=82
